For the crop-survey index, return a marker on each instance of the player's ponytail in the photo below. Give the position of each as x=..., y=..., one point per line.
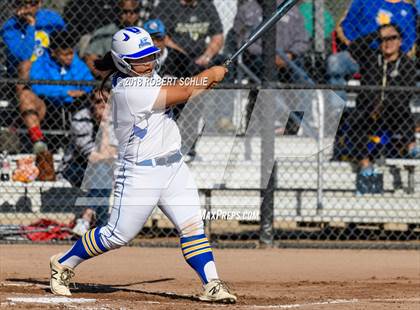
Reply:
x=105, y=64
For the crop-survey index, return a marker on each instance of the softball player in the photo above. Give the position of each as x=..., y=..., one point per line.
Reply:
x=150, y=169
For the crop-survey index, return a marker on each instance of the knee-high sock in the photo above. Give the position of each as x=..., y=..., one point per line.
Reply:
x=89, y=245
x=198, y=254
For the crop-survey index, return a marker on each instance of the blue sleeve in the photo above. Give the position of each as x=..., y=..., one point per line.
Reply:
x=352, y=19
x=410, y=33
x=20, y=47
x=50, y=20
x=52, y=91
x=57, y=22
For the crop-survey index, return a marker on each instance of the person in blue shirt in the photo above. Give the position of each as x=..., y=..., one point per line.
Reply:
x=363, y=18
x=59, y=63
x=26, y=33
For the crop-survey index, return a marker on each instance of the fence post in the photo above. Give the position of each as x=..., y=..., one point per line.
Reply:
x=319, y=26
x=267, y=131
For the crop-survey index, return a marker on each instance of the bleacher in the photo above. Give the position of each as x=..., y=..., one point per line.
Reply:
x=229, y=181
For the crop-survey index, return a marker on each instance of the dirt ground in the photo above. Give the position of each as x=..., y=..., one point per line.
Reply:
x=158, y=278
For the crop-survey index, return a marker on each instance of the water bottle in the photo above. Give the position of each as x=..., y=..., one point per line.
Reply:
x=5, y=167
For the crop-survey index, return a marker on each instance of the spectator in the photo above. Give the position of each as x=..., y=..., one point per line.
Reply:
x=174, y=63
x=84, y=17
x=59, y=63
x=189, y=24
x=26, y=34
x=364, y=17
x=92, y=142
x=291, y=37
x=100, y=43
x=383, y=124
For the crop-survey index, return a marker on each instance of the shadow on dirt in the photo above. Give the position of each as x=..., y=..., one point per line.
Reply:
x=93, y=288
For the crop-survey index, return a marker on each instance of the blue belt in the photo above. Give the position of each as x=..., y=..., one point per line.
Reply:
x=161, y=161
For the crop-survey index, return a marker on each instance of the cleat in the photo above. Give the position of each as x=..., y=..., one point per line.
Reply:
x=60, y=277
x=217, y=291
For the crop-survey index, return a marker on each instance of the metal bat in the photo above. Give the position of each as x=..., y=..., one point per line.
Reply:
x=281, y=10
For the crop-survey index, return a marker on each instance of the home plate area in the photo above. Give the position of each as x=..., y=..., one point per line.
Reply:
x=158, y=278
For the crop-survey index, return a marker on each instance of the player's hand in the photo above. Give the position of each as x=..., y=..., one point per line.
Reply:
x=27, y=16
x=218, y=74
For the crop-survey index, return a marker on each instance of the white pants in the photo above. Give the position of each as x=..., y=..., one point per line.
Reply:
x=138, y=189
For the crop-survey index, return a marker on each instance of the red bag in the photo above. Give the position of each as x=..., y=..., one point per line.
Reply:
x=46, y=230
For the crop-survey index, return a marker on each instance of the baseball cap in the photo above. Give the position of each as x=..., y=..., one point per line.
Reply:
x=155, y=28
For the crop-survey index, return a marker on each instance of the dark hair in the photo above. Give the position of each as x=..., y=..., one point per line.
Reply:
x=61, y=39
x=391, y=25
x=104, y=64
x=20, y=3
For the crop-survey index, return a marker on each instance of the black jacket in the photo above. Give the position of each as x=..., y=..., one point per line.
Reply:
x=392, y=107
x=177, y=65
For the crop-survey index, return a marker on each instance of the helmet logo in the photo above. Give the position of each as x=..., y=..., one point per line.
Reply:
x=154, y=26
x=126, y=37
x=144, y=42
x=133, y=29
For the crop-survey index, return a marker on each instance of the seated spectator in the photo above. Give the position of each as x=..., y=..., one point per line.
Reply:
x=362, y=18
x=291, y=37
x=85, y=17
x=383, y=124
x=26, y=34
x=100, y=43
x=92, y=142
x=189, y=24
x=58, y=63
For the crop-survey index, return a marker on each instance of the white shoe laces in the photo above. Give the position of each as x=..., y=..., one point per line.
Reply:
x=219, y=286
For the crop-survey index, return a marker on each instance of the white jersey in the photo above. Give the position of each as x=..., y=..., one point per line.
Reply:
x=142, y=132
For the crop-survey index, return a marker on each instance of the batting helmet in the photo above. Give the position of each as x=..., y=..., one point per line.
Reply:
x=131, y=43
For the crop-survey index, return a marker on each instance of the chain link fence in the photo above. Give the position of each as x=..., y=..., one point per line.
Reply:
x=325, y=154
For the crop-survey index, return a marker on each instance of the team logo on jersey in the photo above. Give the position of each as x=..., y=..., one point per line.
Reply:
x=42, y=41
x=384, y=17
x=195, y=30
x=144, y=42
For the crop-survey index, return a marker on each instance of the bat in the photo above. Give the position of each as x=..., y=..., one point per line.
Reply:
x=281, y=10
